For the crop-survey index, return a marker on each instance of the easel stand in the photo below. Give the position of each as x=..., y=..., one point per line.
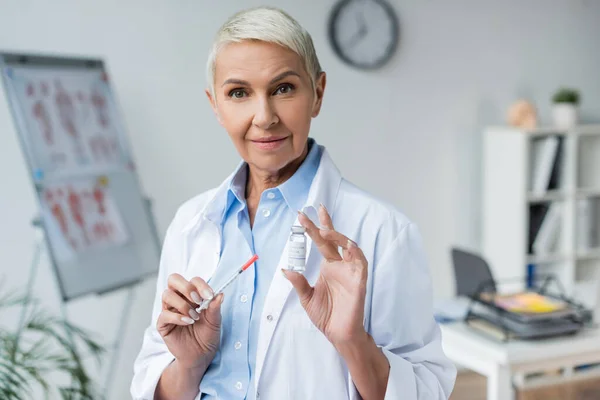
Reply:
x=115, y=347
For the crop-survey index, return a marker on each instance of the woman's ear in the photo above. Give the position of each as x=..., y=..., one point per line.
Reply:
x=213, y=105
x=320, y=84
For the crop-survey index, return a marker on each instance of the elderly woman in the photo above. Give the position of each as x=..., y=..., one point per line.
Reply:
x=356, y=324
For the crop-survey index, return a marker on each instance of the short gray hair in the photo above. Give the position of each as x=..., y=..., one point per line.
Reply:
x=266, y=24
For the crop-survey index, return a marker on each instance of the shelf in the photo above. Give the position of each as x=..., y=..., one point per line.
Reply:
x=592, y=129
x=590, y=254
x=546, y=258
x=587, y=192
x=550, y=195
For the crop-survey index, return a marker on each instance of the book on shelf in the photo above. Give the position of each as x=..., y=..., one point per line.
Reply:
x=537, y=212
x=546, y=239
x=546, y=164
x=544, y=227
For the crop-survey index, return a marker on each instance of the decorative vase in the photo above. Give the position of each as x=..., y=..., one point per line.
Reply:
x=565, y=115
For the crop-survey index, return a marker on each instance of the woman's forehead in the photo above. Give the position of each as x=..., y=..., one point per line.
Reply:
x=255, y=60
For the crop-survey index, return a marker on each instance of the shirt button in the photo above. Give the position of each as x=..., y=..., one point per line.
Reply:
x=269, y=318
x=243, y=298
x=238, y=386
x=266, y=213
x=270, y=195
x=238, y=345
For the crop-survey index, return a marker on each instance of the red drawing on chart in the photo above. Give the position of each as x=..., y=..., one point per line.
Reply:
x=67, y=115
x=99, y=198
x=85, y=215
x=76, y=206
x=43, y=117
x=100, y=107
x=66, y=110
x=59, y=214
x=30, y=90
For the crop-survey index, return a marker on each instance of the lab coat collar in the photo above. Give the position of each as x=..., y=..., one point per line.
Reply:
x=323, y=190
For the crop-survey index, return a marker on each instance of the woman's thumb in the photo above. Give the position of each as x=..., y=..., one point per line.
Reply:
x=213, y=312
x=301, y=285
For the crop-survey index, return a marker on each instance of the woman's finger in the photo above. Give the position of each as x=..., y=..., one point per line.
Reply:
x=173, y=300
x=180, y=284
x=206, y=292
x=303, y=288
x=212, y=314
x=351, y=250
x=325, y=218
x=167, y=317
x=329, y=251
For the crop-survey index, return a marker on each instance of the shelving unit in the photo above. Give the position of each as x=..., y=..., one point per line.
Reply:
x=510, y=158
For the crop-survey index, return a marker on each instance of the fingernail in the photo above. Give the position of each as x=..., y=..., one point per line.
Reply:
x=207, y=294
x=351, y=244
x=194, y=315
x=196, y=298
x=323, y=207
x=187, y=320
x=300, y=212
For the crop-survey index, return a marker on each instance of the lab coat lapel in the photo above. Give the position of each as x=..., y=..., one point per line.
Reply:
x=203, y=234
x=324, y=189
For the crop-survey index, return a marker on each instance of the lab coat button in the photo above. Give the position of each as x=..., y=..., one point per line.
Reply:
x=243, y=298
x=238, y=386
x=238, y=345
x=270, y=195
x=269, y=318
x=266, y=213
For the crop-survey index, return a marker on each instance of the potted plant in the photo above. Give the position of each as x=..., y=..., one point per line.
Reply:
x=43, y=345
x=565, y=110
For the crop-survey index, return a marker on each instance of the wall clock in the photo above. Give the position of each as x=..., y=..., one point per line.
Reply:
x=364, y=33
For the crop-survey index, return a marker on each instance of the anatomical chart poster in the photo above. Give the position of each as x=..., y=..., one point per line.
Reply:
x=70, y=121
x=82, y=216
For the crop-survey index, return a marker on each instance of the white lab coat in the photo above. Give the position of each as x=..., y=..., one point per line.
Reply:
x=294, y=359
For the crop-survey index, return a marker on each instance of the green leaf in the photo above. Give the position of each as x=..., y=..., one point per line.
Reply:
x=45, y=344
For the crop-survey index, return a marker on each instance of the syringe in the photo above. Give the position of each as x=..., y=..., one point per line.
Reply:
x=237, y=273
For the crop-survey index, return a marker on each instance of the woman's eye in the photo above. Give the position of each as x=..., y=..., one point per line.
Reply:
x=284, y=88
x=237, y=93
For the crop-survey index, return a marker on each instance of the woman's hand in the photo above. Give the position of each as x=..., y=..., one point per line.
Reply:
x=191, y=337
x=336, y=303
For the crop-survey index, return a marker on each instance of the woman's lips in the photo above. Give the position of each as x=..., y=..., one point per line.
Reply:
x=269, y=144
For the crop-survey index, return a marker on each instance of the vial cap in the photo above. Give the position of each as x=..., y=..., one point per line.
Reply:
x=298, y=229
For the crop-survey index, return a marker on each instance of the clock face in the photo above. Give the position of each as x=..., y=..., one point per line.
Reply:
x=364, y=33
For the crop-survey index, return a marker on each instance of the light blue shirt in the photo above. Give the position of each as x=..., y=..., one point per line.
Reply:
x=231, y=373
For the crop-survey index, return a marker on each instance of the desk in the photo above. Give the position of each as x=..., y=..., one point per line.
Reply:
x=499, y=362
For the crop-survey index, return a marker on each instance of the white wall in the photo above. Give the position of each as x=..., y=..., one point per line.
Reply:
x=413, y=137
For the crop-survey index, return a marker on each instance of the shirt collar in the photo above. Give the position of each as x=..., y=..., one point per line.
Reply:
x=294, y=190
x=323, y=190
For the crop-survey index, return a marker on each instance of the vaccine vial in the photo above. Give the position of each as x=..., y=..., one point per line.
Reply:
x=297, y=249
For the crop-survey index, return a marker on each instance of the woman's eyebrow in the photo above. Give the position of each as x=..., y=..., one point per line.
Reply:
x=284, y=75
x=236, y=81
x=276, y=79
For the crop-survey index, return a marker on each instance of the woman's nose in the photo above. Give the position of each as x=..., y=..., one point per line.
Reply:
x=265, y=116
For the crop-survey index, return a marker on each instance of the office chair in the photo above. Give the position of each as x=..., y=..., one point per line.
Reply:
x=471, y=273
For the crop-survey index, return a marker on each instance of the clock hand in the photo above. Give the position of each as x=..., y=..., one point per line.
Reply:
x=361, y=33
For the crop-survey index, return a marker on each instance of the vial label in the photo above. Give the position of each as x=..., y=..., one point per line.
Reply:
x=297, y=256
x=297, y=249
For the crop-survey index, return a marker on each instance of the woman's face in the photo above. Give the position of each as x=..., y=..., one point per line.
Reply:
x=265, y=102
